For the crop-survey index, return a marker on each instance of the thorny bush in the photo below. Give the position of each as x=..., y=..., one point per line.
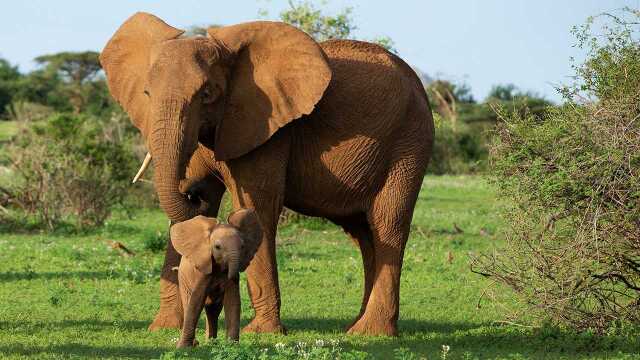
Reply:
x=573, y=240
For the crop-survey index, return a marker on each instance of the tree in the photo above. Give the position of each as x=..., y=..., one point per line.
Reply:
x=445, y=97
x=198, y=30
x=77, y=71
x=505, y=92
x=509, y=94
x=305, y=16
x=9, y=76
x=73, y=67
x=43, y=88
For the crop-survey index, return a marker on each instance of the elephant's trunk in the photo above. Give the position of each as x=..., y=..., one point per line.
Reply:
x=233, y=261
x=192, y=312
x=170, y=149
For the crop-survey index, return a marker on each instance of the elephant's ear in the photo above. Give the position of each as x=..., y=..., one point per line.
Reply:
x=192, y=239
x=246, y=220
x=125, y=60
x=279, y=73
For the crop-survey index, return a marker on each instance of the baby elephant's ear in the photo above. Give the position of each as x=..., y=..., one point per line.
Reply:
x=192, y=239
x=246, y=220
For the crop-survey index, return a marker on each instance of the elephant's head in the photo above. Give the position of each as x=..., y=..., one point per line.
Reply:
x=230, y=247
x=231, y=91
x=206, y=248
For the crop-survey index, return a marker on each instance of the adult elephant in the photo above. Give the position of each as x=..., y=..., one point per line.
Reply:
x=340, y=129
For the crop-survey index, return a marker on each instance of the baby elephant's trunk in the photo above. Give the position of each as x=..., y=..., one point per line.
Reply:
x=233, y=257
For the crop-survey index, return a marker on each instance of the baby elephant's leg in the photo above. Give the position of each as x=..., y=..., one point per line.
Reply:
x=212, y=308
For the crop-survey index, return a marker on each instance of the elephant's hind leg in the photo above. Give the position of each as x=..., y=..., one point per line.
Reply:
x=390, y=219
x=358, y=228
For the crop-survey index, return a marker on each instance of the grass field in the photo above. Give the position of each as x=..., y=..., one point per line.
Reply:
x=7, y=130
x=69, y=295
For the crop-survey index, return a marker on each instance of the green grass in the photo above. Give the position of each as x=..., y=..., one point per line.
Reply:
x=70, y=295
x=7, y=130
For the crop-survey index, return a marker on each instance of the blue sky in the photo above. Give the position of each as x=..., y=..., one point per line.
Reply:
x=480, y=42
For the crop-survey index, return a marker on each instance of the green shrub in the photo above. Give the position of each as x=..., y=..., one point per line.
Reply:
x=573, y=241
x=23, y=111
x=458, y=149
x=70, y=166
x=156, y=242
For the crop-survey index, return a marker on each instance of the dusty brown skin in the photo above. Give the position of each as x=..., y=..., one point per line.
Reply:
x=212, y=256
x=340, y=129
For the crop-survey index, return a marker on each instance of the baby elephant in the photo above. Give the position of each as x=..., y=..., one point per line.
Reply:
x=212, y=256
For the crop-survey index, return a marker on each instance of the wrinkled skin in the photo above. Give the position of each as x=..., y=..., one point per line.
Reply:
x=212, y=256
x=340, y=129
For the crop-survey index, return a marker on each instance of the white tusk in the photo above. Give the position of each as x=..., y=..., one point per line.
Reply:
x=143, y=168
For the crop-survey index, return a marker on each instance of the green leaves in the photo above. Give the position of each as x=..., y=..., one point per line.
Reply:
x=320, y=26
x=573, y=251
x=305, y=16
x=70, y=165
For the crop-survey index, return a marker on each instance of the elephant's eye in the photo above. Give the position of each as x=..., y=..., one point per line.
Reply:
x=218, y=247
x=146, y=92
x=209, y=94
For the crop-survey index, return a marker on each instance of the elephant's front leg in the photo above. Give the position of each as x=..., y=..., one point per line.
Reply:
x=262, y=276
x=257, y=181
x=262, y=273
x=210, y=191
x=170, y=314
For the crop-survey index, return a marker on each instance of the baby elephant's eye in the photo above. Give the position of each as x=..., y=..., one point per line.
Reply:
x=218, y=247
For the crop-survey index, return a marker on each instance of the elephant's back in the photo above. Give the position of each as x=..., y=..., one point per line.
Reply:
x=364, y=75
x=372, y=91
x=342, y=152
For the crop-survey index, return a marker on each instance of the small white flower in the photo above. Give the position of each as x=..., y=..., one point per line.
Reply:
x=319, y=343
x=280, y=346
x=445, y=351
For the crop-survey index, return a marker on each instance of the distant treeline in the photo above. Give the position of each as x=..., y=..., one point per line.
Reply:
x=73, y=82
x=64, y=82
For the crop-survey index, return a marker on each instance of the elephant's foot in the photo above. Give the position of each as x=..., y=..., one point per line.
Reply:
x=182, y=344
x=166, y=320
x=170, y=314
x=372, y=326
x=346, y=328
x=258, y=325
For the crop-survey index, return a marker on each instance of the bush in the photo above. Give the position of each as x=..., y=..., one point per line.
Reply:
x=70, y=165
x=156, y=242
x=573, y=241
x=457, y=150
